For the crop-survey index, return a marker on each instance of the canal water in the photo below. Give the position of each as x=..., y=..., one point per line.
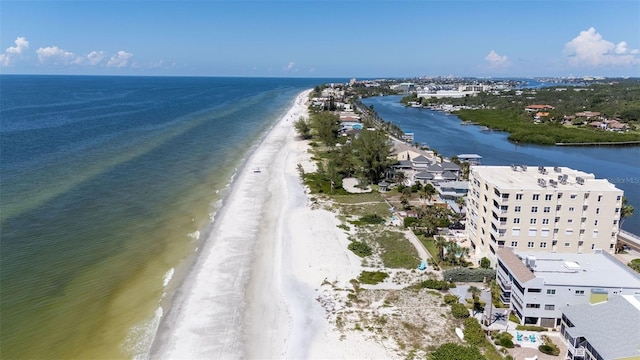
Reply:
x=446, y=134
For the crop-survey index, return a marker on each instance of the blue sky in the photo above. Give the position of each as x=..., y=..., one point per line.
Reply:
x=321, y=38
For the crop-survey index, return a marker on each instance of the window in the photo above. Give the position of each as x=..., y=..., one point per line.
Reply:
x=536, y=197
x=549, y=307
x=569, y=221
x=599, y=198
x=515, y=232
x=581, y=231
x=530, y=244
x=583, y=220
x=597, y=210
x=557, y=220
x=584, y=208
x=579, y=292
x=559, y=195
x=532, y=290
x=534, y=209
x=617, y=210
x=568, y=232
x=516, y=220
x=558, y=207
x=547, y=209
x=618, y=198
x=533, y=306
x=551, y=291
x=567, y=244
x=573, y=196
x=595, y=223
x=514, y=244
x=532, y=232
x=545, y=221
x=571, y=208
x=615, y=222
x=555, y=231
x=543, y=245
x=593, y=246
x=544, y=233
x=518, y=196
x=517, y=209
x=586, y=195
x=548, y=196
x=533, y=221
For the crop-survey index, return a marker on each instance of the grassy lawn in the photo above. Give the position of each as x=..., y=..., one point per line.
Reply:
x=351, y=205
x=397, y=251
x=430, y=244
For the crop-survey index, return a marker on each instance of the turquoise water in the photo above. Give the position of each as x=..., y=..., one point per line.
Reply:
x=443, y=132
x=106, y=184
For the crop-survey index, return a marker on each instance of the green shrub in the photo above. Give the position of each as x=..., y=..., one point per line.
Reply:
x=451, y=299
x=372, y=219
x=452, y=351
x=372, y=277
x=435, y=284
x=485, y=263
x=360, y=248
x=635, y=265
x=469, y=275
x=505, y=342
x=473, y=333
x=459, y=311
x=549, y=350
x=530, y=328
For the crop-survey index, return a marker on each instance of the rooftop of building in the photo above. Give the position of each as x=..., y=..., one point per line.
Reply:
x=611, y=327
x=599, y=269
x=521, y=177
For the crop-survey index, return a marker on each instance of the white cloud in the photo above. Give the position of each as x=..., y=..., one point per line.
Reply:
x=120, y=60
x=53, y=55
x=95, y=57
x=497, y=61
x=291, y=66
x=590, y=49
x=12, y=53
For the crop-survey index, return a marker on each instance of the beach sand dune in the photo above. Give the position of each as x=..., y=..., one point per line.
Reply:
x=253, y=290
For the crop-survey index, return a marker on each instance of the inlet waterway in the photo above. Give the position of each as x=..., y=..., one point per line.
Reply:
x=446, y=134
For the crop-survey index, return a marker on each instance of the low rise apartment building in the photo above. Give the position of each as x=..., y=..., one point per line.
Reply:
x=545, y=209
x=537, y=285
x=606, y=330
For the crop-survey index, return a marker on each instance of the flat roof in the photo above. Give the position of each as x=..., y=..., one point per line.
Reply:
x=584, y=270
x=611, y=327
x=519, y=178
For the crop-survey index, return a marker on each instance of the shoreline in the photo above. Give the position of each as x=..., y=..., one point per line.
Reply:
x=254, y=290
x=210, y=301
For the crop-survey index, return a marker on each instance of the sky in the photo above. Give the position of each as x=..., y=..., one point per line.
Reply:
x=357, y=38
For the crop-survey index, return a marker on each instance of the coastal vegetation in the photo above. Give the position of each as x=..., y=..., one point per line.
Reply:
x=561, y=121
x=522, y=129
x=386, y=253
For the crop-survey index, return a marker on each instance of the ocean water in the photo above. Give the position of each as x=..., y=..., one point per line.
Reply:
x=444, y=133
x=106, y=184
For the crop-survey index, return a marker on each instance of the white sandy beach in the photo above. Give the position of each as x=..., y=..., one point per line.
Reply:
x=252, y=293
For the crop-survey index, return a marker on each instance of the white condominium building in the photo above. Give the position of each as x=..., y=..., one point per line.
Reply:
x=543, y=209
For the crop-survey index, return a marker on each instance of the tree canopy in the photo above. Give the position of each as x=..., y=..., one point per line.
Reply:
x=372, y=150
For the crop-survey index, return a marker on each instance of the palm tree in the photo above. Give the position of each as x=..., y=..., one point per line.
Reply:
x=626, y=211
x=441, y=243
x=400, y=177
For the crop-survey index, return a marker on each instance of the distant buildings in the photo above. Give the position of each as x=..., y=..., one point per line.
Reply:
x=539, y=285
x=548, y=209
